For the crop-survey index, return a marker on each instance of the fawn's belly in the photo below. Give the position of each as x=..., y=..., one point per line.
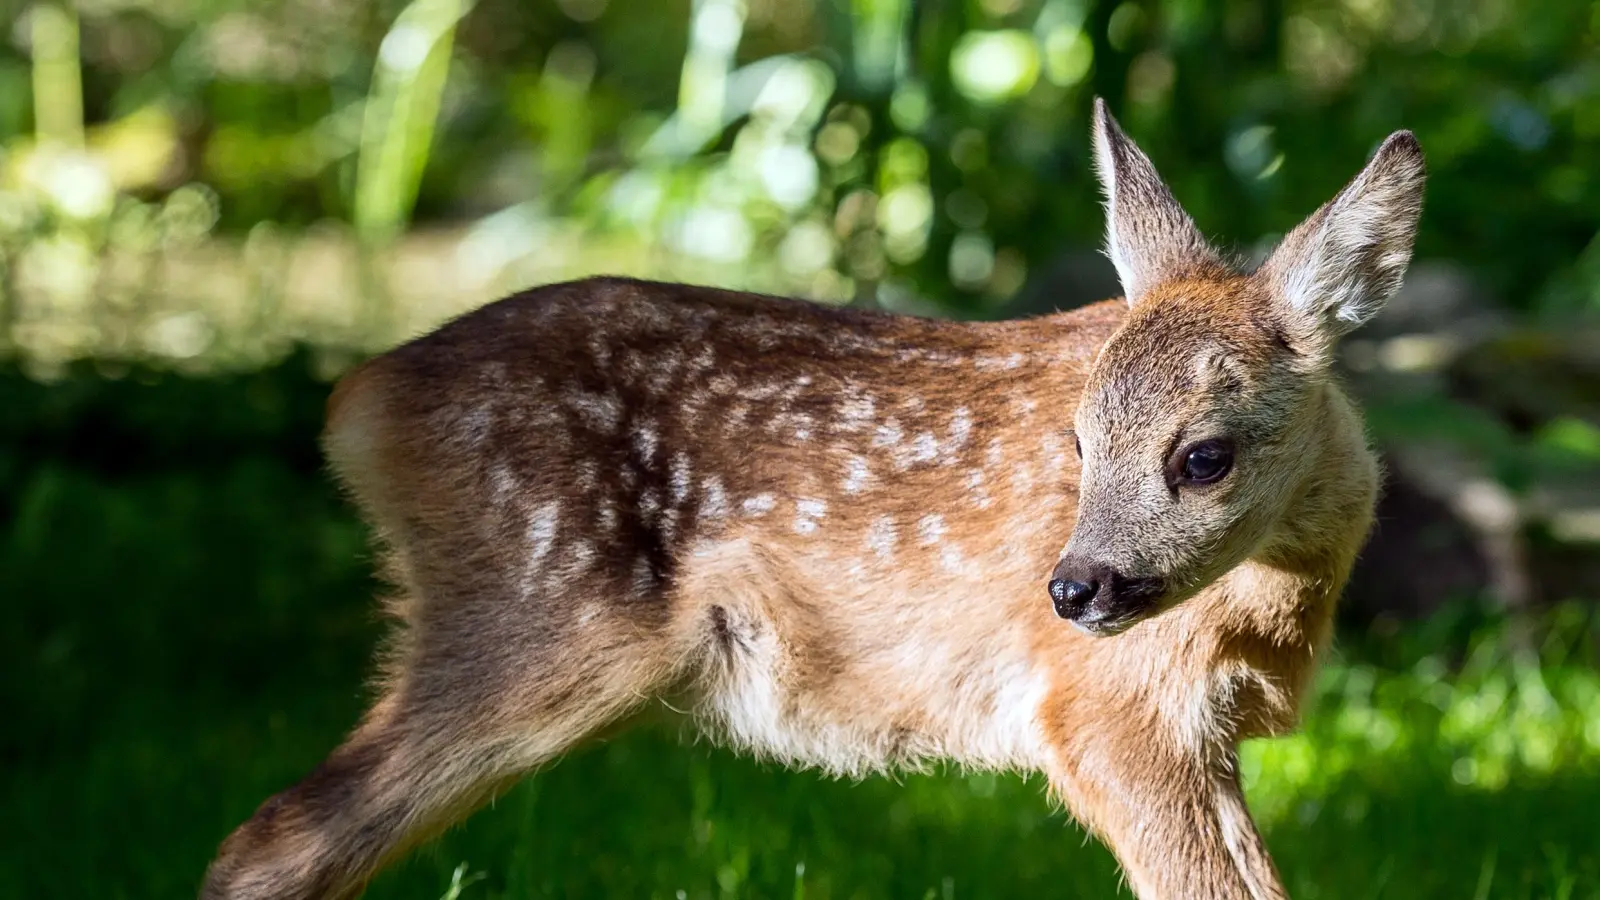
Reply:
x=852, y=682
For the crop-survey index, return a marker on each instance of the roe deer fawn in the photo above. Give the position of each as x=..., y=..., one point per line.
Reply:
x=844, y=536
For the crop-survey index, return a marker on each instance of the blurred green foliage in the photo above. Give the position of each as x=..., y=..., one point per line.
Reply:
x=868, y=150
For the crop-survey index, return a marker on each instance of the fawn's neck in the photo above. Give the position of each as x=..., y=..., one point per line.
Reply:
x=1279, y=604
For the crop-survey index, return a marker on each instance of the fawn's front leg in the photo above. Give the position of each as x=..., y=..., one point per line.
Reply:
x=1243, y=840
x=1177, y=825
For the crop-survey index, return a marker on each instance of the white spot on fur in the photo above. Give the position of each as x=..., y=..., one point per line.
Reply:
x=645, y=441
x=996, y=454
x=542, y=530
x=960, y=430
x=976, y=487
x=950, y=557
x=994, y=363
x=1022, y=479
x=579, y=556
x=759, y=505
x=882, y=536
x=857, y=474
x=723, y=383
x=680, y=477
x=807, y=513
x=888, y=434
x=787, y=396
x=924, y=447
x=857, y=410
x=803, y=423
x=713, y=499
x=765, y=390
x=930, y=528
x=502, y=483
x=601, y=412
x=960, y=433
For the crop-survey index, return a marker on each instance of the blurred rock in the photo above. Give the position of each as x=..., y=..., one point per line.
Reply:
x=1532, y=375
x=1420, y=556
x=1438, y=298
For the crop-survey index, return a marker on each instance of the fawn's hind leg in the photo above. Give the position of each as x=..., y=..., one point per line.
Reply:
x=444, y=737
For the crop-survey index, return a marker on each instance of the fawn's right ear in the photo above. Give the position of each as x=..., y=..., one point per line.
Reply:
x=1338, y=268
x=1148, y=235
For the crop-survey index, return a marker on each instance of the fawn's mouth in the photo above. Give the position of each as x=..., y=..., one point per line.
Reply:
x=1108, y=625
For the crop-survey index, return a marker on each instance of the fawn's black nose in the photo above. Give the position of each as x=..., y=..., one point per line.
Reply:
x=1098, y=598
x=1071, y=598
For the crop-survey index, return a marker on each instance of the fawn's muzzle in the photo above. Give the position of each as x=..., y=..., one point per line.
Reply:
x=1099, y=599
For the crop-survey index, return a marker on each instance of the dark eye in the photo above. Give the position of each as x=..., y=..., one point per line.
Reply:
x=1077, y=444
x=1205, y=462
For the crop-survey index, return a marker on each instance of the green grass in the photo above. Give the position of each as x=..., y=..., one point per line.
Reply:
x=187, y=630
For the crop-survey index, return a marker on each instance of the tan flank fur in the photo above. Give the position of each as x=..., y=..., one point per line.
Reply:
x=848, y=540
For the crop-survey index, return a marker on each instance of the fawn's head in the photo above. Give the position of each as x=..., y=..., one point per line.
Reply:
x=1205, y=416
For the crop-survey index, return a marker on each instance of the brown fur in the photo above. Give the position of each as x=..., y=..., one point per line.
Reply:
x=831, y=530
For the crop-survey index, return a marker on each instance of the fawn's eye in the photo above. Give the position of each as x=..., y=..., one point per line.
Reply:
x=1077, y=444
x=1205, y=462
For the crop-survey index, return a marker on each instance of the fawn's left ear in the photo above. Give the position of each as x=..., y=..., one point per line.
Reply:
x=1337, y=269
